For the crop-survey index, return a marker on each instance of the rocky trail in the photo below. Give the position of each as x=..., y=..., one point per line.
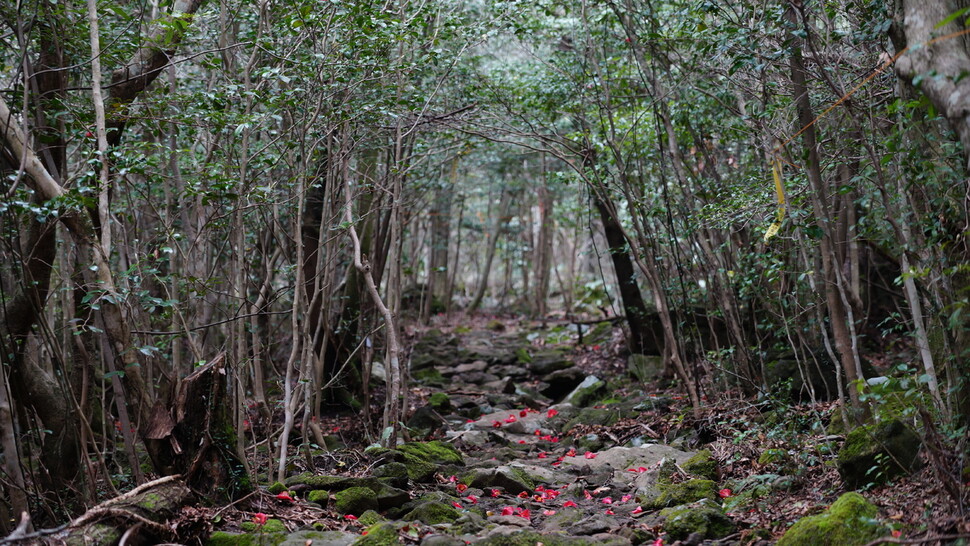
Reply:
x=522, y=437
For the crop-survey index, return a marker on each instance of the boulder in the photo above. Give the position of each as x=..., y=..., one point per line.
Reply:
x=876, y=453
x=850, y=521
x=705, y=518
x=355, y=500
x=645, y=368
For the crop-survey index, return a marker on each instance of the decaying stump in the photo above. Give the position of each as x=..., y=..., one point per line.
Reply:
x=198, y=438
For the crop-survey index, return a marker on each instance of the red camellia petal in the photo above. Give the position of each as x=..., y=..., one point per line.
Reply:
x=626, y=498
x=568, y=504
x=587, y=494
x=510, y=419
x=350, y=517
x=523, y=413
x=548, y=512
x=724, y=493
x=496, y=492
x=472, y=499
x=461, y=487
x=284, y=496
x=525, y=514
x=496, y=424
x=456, y=505
x=609, y=512
x=259, y=518
x=607, y=500
x=507, y=511
x=523, y=495
x=637, y=510
x=571, y=452
x=589, y=455
x=542, y=455
x=552, y=413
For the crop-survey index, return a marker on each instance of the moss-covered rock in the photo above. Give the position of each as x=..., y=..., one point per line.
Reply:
x=512, y=480
x=433, y=513
x=705, y=518
x=380, y=534
x=422, y=459
x=318, y=538
x=681, y=493
x=702, y=465
x=531, y=538
x=433, y=452
x=355, y=500
x=590, y=390
x=851, y=520
x=319, y=496
x=876, y=453
x=645, y=368
x=277, y=488
x=369, y=518
x=391, y=470
x=440, y=402
x=222, y=538
x=271, y=526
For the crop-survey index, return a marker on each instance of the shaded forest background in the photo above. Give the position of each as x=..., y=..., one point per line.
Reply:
x=271, y=192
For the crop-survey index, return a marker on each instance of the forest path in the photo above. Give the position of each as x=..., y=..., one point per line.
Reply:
x=522, y=436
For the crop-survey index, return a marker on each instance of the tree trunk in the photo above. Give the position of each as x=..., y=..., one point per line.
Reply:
x=641, y=339
x=496, y=232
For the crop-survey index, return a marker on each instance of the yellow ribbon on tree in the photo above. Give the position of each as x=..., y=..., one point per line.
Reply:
x=780, y=194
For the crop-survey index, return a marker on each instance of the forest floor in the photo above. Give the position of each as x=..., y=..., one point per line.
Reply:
x=554, y=443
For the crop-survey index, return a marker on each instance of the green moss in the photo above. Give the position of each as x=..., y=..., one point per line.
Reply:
x=873, y=454
x=319, y=496
x=702, y=464
x=270, y=527
x=355, y=500
x=391, y=470
x=850, y=521
x=277, y=488
x=369, y=518
x=434, y=452
x=428, y=376
x=380, y=534
x=222, y=538
x=524, y=477
x=150, y=501
x=439, y=401
x=683, y=493
x=704, y=517
x=433, y=513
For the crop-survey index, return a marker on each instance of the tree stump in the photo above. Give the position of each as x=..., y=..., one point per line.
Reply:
x=199, y=440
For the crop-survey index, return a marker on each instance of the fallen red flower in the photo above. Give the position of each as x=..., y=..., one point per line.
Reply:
x=571, y=452
x=496, y=424
x=637, y=510
x=259, y=518
x=510, y=419
x=609, y=512
x=496, y=492
x=523, y=413
x=724, y=493
x=456, y=505
x=461, y=487
x=569, y=504
x=525, y=514
x=548, y=512
x=507, y=511
x=542, y=455
x=350, y=517
x=552, y=413
x=523, y=495
x=285, y=496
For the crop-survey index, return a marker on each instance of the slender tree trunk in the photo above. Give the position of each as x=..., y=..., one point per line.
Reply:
x=837, y=312
x=497, y=229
